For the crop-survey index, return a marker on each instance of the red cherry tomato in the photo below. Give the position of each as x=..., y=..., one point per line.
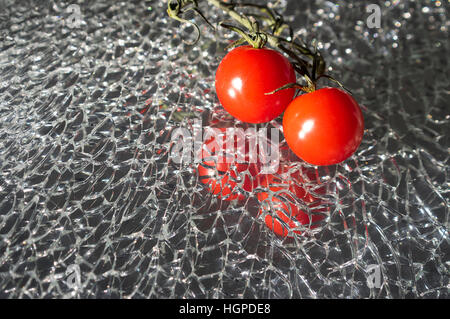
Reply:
x=223, y=177
x=244, y=76
x=283, y=205
x=324, y=127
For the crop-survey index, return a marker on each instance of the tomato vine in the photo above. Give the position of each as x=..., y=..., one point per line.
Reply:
x=263, y=26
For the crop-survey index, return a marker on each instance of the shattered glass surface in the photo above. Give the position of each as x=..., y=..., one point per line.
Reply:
x=91, y=204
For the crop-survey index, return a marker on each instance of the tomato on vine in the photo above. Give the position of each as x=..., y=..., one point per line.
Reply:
x=323, y=127
x=245, y=76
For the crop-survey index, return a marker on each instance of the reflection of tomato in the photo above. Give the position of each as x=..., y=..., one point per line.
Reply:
x=324, y=127
x=222, y=180
x=222, y=177
x=243, y=78
x=283, y=205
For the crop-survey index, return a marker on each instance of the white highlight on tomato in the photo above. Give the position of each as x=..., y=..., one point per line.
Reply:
x=306, y=128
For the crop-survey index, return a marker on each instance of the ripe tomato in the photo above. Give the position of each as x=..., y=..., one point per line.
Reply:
x=283, y=205
x=223, y=177
x=244, y=76
x=324, y=127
